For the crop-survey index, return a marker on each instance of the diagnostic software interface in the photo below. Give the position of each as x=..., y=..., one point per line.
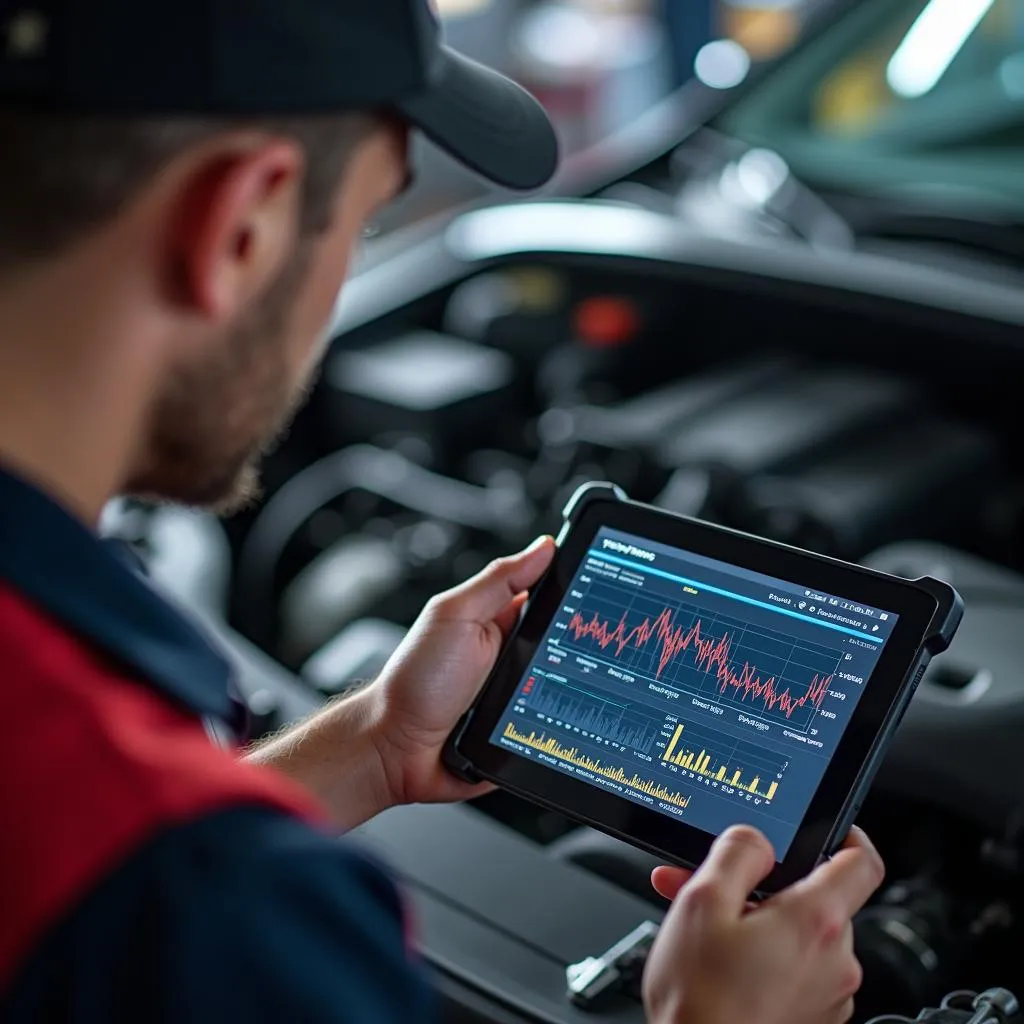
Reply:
x=708, y=692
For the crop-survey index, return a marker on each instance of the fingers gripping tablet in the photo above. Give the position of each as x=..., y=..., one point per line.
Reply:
x=671, y=678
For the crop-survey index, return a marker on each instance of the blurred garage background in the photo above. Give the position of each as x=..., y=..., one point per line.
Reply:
x=599, y=65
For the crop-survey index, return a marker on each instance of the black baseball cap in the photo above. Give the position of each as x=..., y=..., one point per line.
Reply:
x=265, y=58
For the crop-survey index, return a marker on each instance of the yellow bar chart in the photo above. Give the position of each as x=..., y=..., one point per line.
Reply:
x=551, y=746
x=679, y=752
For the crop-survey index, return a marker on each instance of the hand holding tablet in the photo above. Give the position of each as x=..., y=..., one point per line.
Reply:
x=670, y=678
x=788, y=960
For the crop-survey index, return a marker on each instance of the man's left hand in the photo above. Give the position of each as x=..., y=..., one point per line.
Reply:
x=382, y=746
x=436, y=674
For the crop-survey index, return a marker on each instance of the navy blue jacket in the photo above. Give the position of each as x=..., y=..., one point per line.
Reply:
x=146, y=876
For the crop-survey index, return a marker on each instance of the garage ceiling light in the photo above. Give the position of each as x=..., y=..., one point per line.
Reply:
x=932, y=44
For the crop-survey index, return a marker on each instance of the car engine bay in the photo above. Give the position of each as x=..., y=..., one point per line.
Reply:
x=855, y=402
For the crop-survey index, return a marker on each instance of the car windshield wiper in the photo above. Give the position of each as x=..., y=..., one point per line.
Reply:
x=729, y=186
x=988, y=234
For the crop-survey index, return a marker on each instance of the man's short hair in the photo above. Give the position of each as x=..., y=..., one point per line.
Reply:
x=62, y=176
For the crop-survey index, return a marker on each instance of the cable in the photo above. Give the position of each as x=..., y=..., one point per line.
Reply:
x=999, y=239
x=387, y=475
x=993, y=1006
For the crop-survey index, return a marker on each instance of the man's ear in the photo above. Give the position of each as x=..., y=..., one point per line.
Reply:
x=237, y=223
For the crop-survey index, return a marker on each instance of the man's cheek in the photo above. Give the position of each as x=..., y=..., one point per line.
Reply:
x=320, y=303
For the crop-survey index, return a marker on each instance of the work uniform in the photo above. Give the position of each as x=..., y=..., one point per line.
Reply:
x=147, y=876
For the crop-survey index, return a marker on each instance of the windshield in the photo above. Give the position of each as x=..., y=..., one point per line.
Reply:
x=924, y=97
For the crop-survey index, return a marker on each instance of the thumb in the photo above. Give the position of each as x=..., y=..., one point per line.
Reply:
x=667, y=880
x=483, y=597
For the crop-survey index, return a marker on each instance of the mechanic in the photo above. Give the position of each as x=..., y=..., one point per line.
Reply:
x=181, y=187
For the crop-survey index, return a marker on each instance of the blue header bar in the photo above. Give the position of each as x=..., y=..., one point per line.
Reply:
x=641, y=567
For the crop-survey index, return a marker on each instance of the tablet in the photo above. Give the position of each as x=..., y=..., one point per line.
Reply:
x=670, y=678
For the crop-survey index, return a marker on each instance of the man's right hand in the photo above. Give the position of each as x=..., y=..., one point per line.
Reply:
x=789, y=960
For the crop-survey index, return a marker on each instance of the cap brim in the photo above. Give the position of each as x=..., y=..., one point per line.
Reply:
x=486, y=122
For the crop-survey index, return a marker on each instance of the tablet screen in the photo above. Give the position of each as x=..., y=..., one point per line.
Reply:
x=705, y=691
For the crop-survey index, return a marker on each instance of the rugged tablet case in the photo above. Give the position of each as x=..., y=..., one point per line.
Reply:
x=941, y=629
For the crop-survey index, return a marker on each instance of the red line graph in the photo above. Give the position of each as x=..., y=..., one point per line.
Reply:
x=711, y=655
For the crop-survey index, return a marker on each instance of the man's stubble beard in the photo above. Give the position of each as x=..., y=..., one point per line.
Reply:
x=214, y=422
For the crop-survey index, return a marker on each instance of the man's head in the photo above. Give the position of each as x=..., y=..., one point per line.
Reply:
x=247, y=230
x=214, y=244
x=274, y=217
